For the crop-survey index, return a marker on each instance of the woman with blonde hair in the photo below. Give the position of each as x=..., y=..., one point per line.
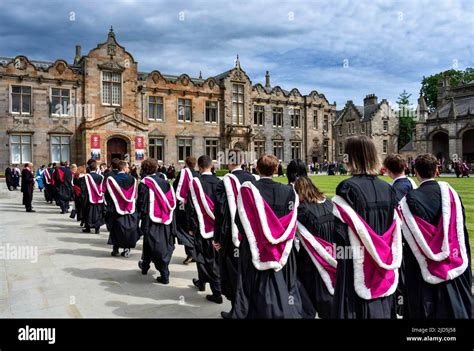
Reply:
x=315, y=261
x=368, y=237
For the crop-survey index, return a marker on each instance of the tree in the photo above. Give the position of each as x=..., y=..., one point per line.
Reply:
x=406, y=120
x=429, y=85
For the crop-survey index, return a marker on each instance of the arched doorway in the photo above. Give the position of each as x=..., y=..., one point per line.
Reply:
x=468, y=145
x=441, y=146
x=116, y=148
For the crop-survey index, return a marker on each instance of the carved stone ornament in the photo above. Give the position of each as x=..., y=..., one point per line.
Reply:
x=211, y=84
x=111, y=49
x=20, y=63
x=185, y=81
x=118, y=116
x=60, y=67
x=155, y=77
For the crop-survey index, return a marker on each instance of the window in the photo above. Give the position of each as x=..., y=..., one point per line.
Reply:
x=59, y=148
x=20, y=100
x=111, y=88
x=258, y=115
x=184, y=149
x=155, y=108
x=278, y=149
x=211, y=112
x=156, y=148
x=20, y=148
x=326, y=149
x=295, y=117
x=326, y=123
x=185, y=112
x=212, y=148
x=315, y=119
x=384, y=146
x=341, y=151
x=362, y=128
x=278, y=117
x=59, y=102
x=385, y=126
x=295, y=150
x=339, y=130
x=259, y=148
x=237, y=104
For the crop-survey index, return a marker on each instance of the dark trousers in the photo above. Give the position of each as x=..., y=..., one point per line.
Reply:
x=147, y=259
x=208, y=275
x=27, y=199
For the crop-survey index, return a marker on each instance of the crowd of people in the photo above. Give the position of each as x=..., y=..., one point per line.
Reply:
x=375, y=250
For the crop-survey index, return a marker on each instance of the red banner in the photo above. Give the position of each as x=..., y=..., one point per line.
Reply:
x=95, y=141
x=139, y=142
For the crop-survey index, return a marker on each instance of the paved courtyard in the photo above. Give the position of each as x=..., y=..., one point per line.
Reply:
x=75, y=276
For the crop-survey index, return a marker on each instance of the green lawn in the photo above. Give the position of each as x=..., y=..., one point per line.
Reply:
x=464, y=187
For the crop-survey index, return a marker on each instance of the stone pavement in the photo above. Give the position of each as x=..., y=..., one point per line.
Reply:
x=75, y=276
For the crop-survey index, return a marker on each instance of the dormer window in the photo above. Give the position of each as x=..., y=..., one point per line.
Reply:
x=385, y=126
x=111, y=88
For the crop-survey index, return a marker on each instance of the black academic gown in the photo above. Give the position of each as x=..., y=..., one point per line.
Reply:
x=124, y=231
x=64, y=190
x=93, y=213
x=228, y=254
x=48, y=188
x=8, y=177
x=109, y=206
x=78, y=198
x=375, y=201
x=158, y=241
x=269, y=294
x=181, y=222
x=27, y=183
x=451, y=299
x=204, y=253
x=319, y=220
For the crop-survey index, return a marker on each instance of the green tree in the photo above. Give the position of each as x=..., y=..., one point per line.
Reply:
x=429, y=85
x=406, y=120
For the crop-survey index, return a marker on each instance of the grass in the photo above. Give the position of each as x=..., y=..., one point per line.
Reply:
x=463, y=186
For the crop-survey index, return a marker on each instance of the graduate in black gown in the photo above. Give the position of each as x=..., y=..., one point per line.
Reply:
x=8, y=178
x=109, y=207
x=182, y=192
x=201, y=226
x=396, y=168
x=48, y=186
x=63, y=187
x=272, y=290
x=375, y=201
x=27, y=183
x=122, y=190
x=316, y=217
x=429, y=297
x=225, y=229
x=92, y=197
x=156, y=220
x=78, y=186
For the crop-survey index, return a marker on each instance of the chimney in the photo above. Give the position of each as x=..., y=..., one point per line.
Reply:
x=267, y=80
x=370, y=99
x=77, y=58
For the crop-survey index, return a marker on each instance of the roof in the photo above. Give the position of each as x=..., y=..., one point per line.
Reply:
x=410, y=146
x=41, y=65
x=459, y=106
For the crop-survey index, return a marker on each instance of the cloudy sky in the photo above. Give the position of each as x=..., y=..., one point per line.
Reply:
x=342, y=48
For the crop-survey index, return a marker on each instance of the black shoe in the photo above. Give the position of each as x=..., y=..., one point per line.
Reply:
x=226, y=315
x=162, y=281
x=140, y=265
x=213, y=298
x=125, y=253
x=197, y=283
x=63, y=212
x=73, y=214
x=97, y=230
x=86, y=230
x=30, y=211
x=114, y=253
x=187, y=260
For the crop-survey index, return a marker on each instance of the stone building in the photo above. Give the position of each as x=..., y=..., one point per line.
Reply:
x=374, y=119
x=102, y=106
x=447, y=131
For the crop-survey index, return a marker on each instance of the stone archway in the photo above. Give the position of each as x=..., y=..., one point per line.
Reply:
x=117, y=147
x=440, y=145
x=468, y=145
